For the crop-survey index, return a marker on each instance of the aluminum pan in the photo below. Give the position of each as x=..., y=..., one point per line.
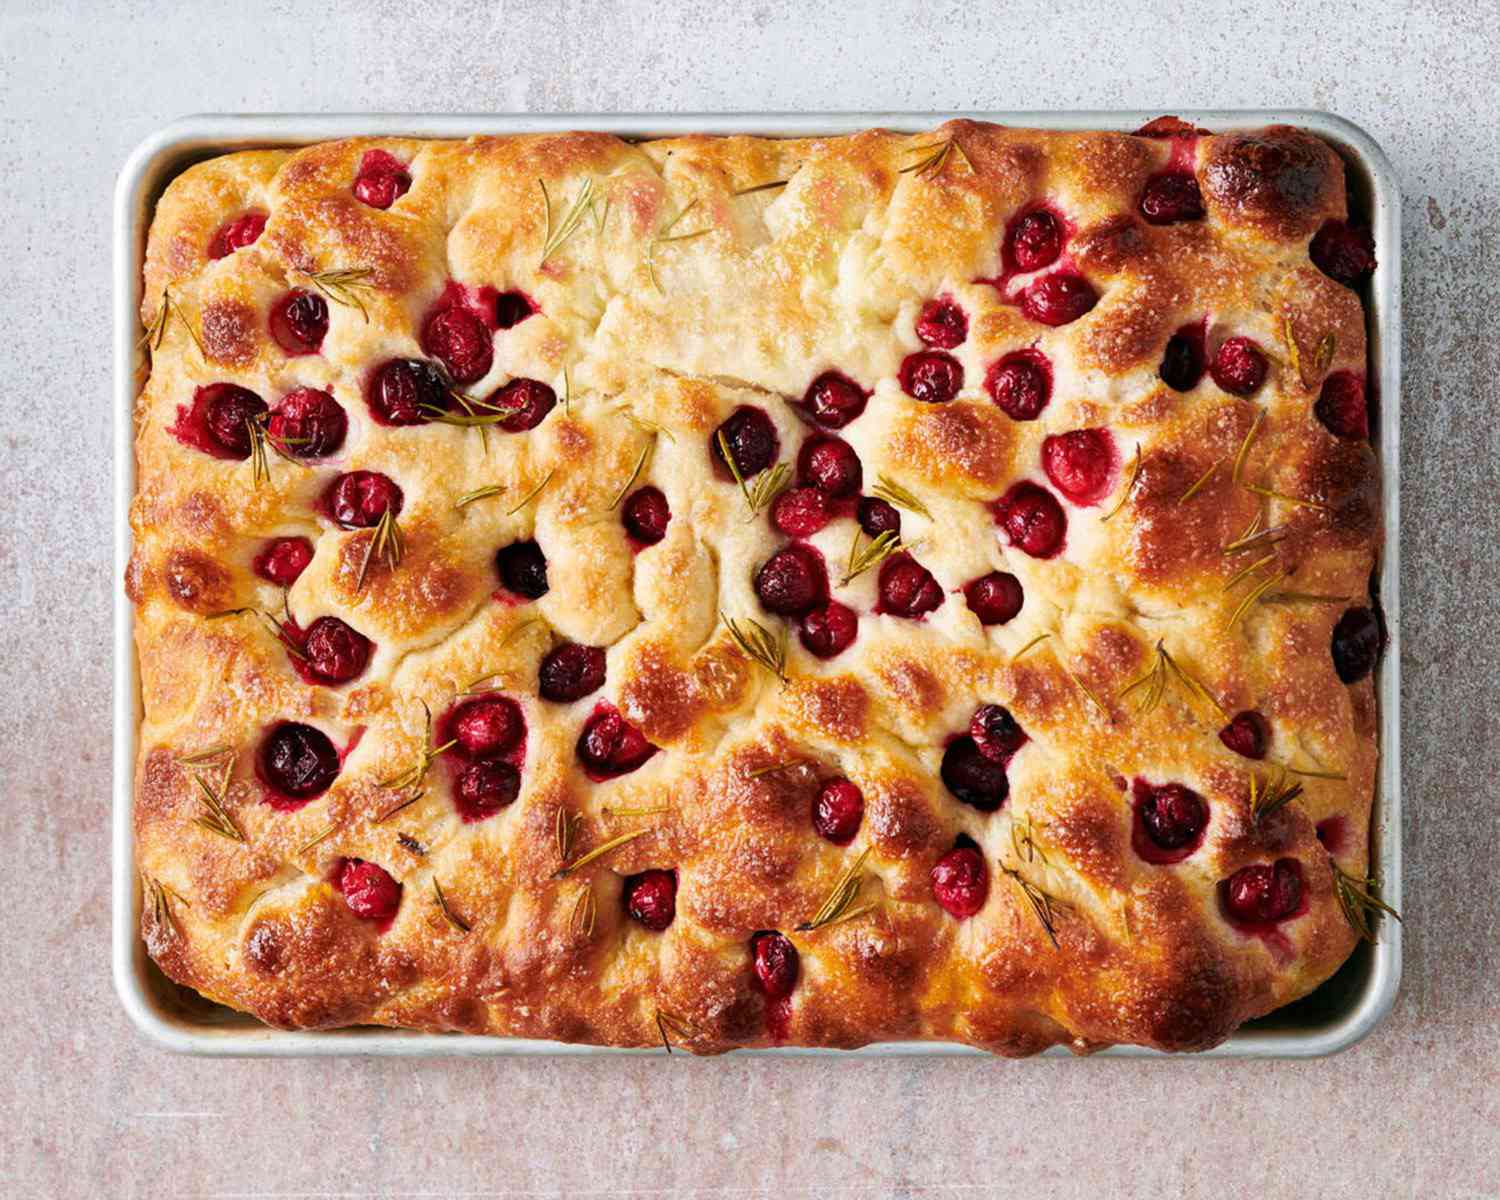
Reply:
x=1340, y=1013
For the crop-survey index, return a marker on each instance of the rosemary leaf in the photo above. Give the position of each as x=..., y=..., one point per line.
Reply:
x=582, y=203
x=1361, y=907
x=760, y=187
x=344, y=286
x=385, y=544
x=532, y=495
x=598, y=852
x=892, y=492
x=759, y=644
x=1199, y=485
x=845, y=892
x=479, y=493
x=863, y=558
x=1135, y=475
x=448, y=914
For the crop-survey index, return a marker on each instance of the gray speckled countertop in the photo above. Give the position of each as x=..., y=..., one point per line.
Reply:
x=88, y=1109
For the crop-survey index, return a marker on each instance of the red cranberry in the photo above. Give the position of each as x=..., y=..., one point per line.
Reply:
x=906, y=588
x=299, y=322
x=972, y=777
x=942, y=323
x=994, y=598
x=459, y=340
x=381, y=180
x=1033, y=520
x=1172, y=816
x=488, y=726
x=651, y=898
x=523, y=569
x=996, y=734
x=298, y=760
x=236, y=234
x=774, y=962
x=752, y=441
x=1343, y=252
x=334, y=652
x=1058, y=299
x=1081, y=464
x=1021, y=384
x=528, y=401
x=1262, y=894
x=831, y=466
x=369, y=891
x=1182, y=363
x=646, y=515
x=358, y=499
x=800, y=512
x=1033, y=241
x=571, y=672
x=511, y=308
x=838, y=810
x=792, y=581
x=1247, y=734
x=401, y=391
x=829, y=630
x=485, y=788
x=1239, y=367
x=308, y=423
x=877, y=517
x=1170, y=197
x=227, y=412
x=1357, y=642
x=1341, y=405
x=833, y=400
x=961, y=882
x=610, y=745
x=931, y=376
x=283, y=559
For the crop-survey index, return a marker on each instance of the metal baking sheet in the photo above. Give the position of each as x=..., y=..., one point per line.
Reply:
x=1337, y=1015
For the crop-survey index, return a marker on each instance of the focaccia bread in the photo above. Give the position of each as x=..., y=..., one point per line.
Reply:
x=738, y=591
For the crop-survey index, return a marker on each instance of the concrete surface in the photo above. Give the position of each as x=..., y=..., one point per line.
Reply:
x=87, y=1109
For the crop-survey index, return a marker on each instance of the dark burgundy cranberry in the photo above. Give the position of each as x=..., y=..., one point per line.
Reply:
x=1081, y=464
x=651, y=898
x=298, y=760
x=403, y=390
x=283, y=559
x=488, y=726
x=752, y=441
x=1021, y=384
x=994, y=598
x=942, y=323
x=1357, y=642
x=1341, y=405
x=1239, y=367
x=1182, y=363
x=485, y=788
x=833, y=400
x=996, y=733
x=610, y=745
x=369, y=890
x=774, y=963
x=831, y=466
x=299, y=322
x=829, y=630
x=906, y=588
x=234, y=235
x=792, y=581
x=381, y=180
x=1034, y=240
x=838, y=810
x=228, y=411
x=334, y=652
x=358, y=499
x=876, y=516
x=1033, y=520
x=460, y=341
x=1058, y=299
x=800, y=512
x=528, y=401
x=1170, y=197
x=1247, y=734
x=961, y=882
x=646, y=515
x=523, y=569
x=931, y=376
x=511, y=308
x=1343, y=252
x=571, y=672
x=1173, y=816
x=1262, y=894
x=972, y=777
x=308, y=423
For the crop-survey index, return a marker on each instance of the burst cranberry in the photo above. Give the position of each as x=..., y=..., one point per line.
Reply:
x=511, y=308
x=369, y=891
x=382, y=179
x=1172, y=817
x=308, y=423
x=1021, y=384
x=751, y=438
x=488, y=727
x=225, y=413
x=972, y=777
x=996, y=733
x=1033, y=520
x=774, y=962
x=831, y=466
x=358, y=499
x=651, y=898
x=299, y=322
x=1081, y=464
x=646, y=515
x=1058, y=299
x=1341, y=405
x=1239, y=367
x=829, y=630
x=1033, y=241
x=527, y=400
x=994, y=598
x=931, y=376
x=402, y=391
x=1262, y=894
x=906, y=588
x=792, y=581
x=236, y=234
x=1182, y=363
x=800, y=512
x=1170, y=197
x=283, y=559
x=837, y=811
x=333, y=651
x=571, y=672
x=523, y=569
x=459, y=340
x=485, y=788
x=942, y=323
x=876, y=516
x=1357, y=642
x=833, y=400
x=610, y=745
x=1343, y=252
x=961, y=882
x=1247, y=734
x=298, y=760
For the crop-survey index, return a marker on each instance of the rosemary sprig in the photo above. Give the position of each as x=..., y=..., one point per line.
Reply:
x=1244, y=450
x=1357, y=898
x=1254, y=537
x=935, y=158
x=449, y=915
x=215, y=817
x=1164, y=670
x=160, y=897
x=585, y=912
x=477, y=414
x=1245, y=572
x=202, y=757
x=531, y=495
x=598, y=852
x=768, y=484
x=666, y=236
x=272, y=625
x=344, y=286
x=666, y=1022
x=1253, y=596
x=479, y=493
x=411, y=778
x=385, y=544
x=1201, y=482
x=1044, y=905
x=759, y=644
x=845, y=892
x=891, y=492
x=582, y=203
x=1269, y=796
x=260, y=462
x=1135, y=476
x=322, y=837
x=760, y=187
x=1261, y=490
x=875, y=552
x=157, y=332
x=640, y=465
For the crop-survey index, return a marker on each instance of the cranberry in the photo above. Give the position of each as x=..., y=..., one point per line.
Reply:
x=792, y=581
x=485, y=788
x=236, y=234
x=1247, y=734
x=996, y=734
x=1058, y=299
x=833, y=400
x=298, y=760
x=459, y=340
x=876, y=516
x=800, y=512
x=942, y=323
x=1341, y=405
x=610, y=745
x=527, y=400
x=488, y=726
x=931, y=376
x=358, y=499
x=774, y=962
x=1343, y=252
x=972, y=777
x=1239, y=367
x=299, y=322
x=752, y=441
x=523, y=569
x=283, y=559
x=1021, y=384
x=308, y=423
x=837, y=811
x=831, y=466
x=1081, y=464
x=1182, y=363
x=906, y=588
x=829, y=630
x=1033, y=520
x=227, y=411
x=961, y=882
x=402, y=391
x=1357, y=642
x=334, y=652
x=651, y=898
x=1172, y=816
x=994, y=598
x=1262, y=894
x=1170, y=197
x=369, y=891
x=571, y=672
x=646, y=515
x=1033, y=241
x=381, y=180
x=511, y=308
